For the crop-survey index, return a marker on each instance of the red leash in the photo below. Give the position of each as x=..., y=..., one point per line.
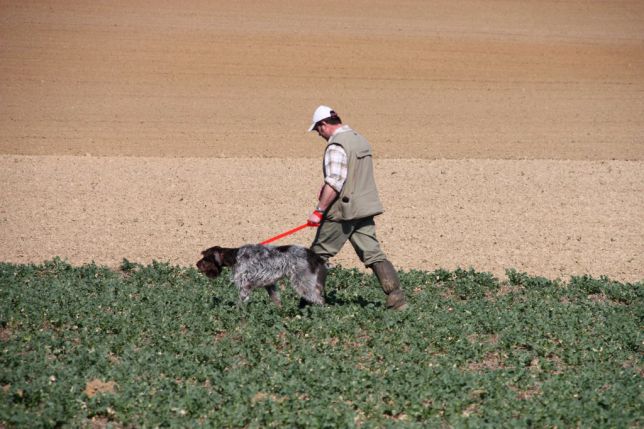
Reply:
x=284, y=234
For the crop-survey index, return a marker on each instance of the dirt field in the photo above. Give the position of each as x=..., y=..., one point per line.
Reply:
x=508, y=134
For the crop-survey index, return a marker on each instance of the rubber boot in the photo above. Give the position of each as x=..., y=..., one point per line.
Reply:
x=390, y=283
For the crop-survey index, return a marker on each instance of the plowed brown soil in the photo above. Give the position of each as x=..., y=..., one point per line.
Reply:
x=507, y=134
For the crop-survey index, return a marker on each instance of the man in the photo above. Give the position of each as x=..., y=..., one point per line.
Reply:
x=348, y=202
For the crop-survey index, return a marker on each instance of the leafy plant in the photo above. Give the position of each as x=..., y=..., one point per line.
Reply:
x=161, y=345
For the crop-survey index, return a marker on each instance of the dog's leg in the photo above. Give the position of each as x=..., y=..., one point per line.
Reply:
x=321, y=281
x=244, y=293
x=273, y=293
x=305, y=284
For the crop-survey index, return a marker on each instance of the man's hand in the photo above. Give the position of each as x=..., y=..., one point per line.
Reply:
x=315, y=218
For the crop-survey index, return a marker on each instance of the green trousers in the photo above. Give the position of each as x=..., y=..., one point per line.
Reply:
x=332, y=235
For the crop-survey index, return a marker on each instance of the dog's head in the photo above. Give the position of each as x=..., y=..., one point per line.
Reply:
x=214, y=259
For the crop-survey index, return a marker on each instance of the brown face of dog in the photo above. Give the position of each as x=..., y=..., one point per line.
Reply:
x=211, y=262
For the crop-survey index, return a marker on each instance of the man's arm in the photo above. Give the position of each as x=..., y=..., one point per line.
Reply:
x=327, y=196
x=335, y=168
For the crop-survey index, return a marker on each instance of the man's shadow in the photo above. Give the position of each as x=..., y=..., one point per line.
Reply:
x=333, y=299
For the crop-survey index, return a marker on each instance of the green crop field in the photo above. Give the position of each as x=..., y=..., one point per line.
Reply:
x=159, y=345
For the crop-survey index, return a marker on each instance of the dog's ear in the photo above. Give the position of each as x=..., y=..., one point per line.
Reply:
x=221, y=256
x=218, y=253
x=228, y=257
x=213, y=254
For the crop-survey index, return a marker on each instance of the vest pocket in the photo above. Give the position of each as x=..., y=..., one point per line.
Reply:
x=361, y=153
x=356, y=206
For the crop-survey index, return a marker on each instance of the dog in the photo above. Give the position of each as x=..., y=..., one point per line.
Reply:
x=259, y=266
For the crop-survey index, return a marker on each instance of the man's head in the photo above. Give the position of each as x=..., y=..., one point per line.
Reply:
x=325, y=121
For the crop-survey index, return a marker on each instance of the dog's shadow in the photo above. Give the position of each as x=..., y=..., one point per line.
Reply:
x=217, y=302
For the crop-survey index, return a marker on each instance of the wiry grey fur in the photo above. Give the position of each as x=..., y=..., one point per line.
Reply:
x=258, y=266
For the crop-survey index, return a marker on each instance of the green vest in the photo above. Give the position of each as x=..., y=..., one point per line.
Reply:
x=359, y=196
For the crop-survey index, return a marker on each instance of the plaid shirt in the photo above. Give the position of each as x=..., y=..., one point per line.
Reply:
x=335, y=166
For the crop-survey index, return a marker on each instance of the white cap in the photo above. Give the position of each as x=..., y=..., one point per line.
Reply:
x=322, y=112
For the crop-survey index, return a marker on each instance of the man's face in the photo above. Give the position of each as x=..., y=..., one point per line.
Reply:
x=323, y=130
